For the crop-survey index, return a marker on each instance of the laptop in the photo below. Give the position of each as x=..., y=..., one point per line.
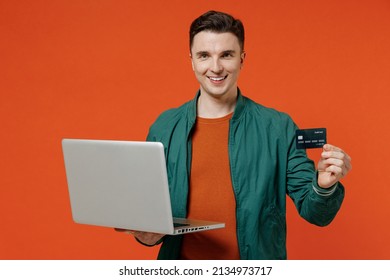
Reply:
x=123, y=184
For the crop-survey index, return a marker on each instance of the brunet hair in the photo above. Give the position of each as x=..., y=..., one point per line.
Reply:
x=218, y=22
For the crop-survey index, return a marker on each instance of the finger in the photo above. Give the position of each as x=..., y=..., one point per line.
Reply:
x=336, y=154
x=334, y=170
x=127, y=231
x=334, y=161
x=329, y=147
x=349, y=166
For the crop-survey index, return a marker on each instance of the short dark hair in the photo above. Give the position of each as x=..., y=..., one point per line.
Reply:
x=218, y=22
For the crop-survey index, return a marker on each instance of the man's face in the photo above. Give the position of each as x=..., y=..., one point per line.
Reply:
x=217, y=60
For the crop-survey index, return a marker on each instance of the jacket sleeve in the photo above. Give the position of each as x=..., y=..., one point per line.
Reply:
x=313, y=203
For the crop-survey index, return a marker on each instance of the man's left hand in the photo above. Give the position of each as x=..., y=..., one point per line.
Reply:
x=333, y=165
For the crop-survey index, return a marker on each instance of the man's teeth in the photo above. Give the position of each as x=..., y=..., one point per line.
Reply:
x=217, y=78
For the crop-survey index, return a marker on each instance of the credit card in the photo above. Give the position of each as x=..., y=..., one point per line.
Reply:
x=310, y=138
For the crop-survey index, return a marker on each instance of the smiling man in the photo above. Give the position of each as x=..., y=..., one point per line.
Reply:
x=217, y=59
x=231, y=159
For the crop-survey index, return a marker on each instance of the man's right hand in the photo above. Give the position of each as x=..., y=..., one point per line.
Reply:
x=147, y=238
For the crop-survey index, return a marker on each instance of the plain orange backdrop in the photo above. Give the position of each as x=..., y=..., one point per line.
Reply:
x=105, y=69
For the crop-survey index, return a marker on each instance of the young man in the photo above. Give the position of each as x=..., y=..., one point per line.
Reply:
x=231, y=159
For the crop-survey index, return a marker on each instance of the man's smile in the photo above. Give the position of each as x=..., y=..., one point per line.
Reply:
x=217, y=79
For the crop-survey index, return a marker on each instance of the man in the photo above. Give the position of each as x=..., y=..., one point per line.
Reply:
x=231, y=159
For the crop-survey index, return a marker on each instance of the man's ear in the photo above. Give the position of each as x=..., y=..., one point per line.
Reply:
x=192, y=62
x=243, y=55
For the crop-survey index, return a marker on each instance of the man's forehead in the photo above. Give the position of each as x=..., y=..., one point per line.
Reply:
x=215, y=42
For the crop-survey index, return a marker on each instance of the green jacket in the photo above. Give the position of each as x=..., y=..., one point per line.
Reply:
x=265, y=166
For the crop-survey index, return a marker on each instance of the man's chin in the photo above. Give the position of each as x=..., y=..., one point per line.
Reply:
x=219, y=93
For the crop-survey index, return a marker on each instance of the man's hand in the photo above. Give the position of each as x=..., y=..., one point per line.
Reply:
x=147, y=238
x=333, y=165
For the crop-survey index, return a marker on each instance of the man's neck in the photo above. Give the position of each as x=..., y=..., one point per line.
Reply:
x=216, y=106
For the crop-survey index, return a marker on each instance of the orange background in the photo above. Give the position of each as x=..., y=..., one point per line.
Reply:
x=105, y=69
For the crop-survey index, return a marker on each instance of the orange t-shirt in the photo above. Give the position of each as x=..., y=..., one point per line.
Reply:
x=211, y=195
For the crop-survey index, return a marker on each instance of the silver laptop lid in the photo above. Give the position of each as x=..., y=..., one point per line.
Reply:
x=121, y=184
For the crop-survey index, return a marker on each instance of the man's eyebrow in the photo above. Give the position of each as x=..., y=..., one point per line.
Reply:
x=228, y=51
x=200, y=53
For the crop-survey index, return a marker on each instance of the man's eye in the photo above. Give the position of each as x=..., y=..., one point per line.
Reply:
x=227, y=55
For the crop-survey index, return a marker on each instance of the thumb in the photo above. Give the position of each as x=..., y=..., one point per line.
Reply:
x=329, y=147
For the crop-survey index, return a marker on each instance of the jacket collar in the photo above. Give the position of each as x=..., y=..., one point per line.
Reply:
x=240, y=106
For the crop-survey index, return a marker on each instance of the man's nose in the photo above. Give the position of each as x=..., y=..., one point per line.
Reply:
x=216, y=66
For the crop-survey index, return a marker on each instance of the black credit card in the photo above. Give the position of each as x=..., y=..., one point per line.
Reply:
x=310, y=138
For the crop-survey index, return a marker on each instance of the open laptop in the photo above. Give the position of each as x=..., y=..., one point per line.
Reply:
x=123, y=184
